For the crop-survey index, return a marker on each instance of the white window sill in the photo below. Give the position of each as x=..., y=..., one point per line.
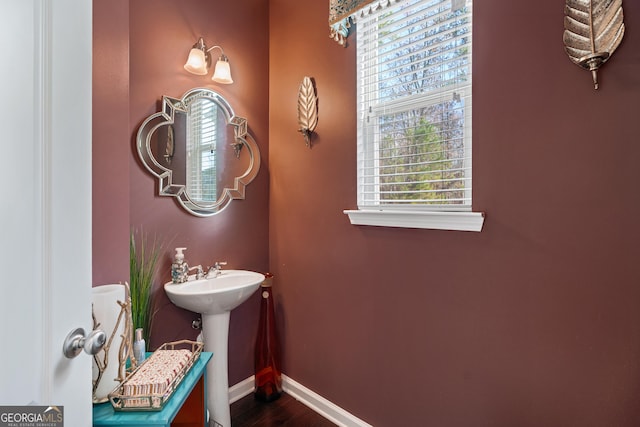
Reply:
x=434, y=220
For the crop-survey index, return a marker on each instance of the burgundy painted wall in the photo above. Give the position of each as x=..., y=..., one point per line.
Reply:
x=161, y=34
x=111, y=151
x=532, y=322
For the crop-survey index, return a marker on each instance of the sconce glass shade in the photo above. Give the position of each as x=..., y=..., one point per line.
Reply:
x=197, y=62
x=222, y=73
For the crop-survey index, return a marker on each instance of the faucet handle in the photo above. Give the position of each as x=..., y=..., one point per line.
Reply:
x=216, y=269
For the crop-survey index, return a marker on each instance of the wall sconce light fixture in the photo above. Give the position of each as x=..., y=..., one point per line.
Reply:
x=200, y=59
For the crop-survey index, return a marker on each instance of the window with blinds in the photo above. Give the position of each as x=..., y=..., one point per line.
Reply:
x=202, y=136
x=414, y=105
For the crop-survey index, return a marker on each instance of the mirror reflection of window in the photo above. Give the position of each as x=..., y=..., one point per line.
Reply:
x=202, y=140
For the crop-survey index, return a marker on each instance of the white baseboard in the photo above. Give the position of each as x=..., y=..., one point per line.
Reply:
x=322, y=406
x=317, y=403
x=242, y=389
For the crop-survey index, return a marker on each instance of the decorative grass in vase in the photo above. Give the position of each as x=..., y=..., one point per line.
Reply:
x=143, y=260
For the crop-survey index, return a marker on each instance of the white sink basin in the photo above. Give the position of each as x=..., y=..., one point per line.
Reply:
x=216, y=295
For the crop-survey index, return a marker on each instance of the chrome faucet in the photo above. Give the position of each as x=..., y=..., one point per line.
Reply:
x=216, y=270
x=199, y=271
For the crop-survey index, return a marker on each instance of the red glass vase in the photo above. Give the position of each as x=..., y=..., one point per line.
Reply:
x=267, y=351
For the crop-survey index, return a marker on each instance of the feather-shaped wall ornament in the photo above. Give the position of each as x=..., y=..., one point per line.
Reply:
x=593, y=29
x=307, y=109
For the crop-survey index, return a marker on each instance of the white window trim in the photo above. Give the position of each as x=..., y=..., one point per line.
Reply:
x=431, y=220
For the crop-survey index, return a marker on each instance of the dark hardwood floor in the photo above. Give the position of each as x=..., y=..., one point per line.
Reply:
x=285, y=411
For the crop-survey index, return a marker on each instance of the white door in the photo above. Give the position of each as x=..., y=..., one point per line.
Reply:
x=45, y=203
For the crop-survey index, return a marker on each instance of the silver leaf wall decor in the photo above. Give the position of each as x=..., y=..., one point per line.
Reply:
x=307, y=109
x=593, y=29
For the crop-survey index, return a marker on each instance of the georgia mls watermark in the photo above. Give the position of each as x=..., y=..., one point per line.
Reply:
x=31, y=416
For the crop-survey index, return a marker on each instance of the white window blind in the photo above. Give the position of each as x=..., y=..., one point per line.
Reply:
x=202, y=136
x=414, y=105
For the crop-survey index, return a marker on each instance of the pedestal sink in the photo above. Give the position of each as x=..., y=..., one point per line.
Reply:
x=214, y=298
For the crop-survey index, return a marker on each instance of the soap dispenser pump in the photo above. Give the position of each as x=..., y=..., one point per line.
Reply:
x=179, y=268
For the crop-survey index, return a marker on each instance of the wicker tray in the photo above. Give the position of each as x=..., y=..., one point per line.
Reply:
x=134, y=395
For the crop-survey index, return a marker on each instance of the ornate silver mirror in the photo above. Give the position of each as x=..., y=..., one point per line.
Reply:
x=200, y=151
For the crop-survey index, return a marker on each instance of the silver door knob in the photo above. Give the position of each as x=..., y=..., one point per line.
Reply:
x=76, y=341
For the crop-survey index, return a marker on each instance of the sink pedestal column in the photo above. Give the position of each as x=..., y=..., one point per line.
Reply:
x=215, y=330
x=214, y=298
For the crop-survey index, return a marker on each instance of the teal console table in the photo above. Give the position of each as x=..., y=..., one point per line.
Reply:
x=185, y=408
